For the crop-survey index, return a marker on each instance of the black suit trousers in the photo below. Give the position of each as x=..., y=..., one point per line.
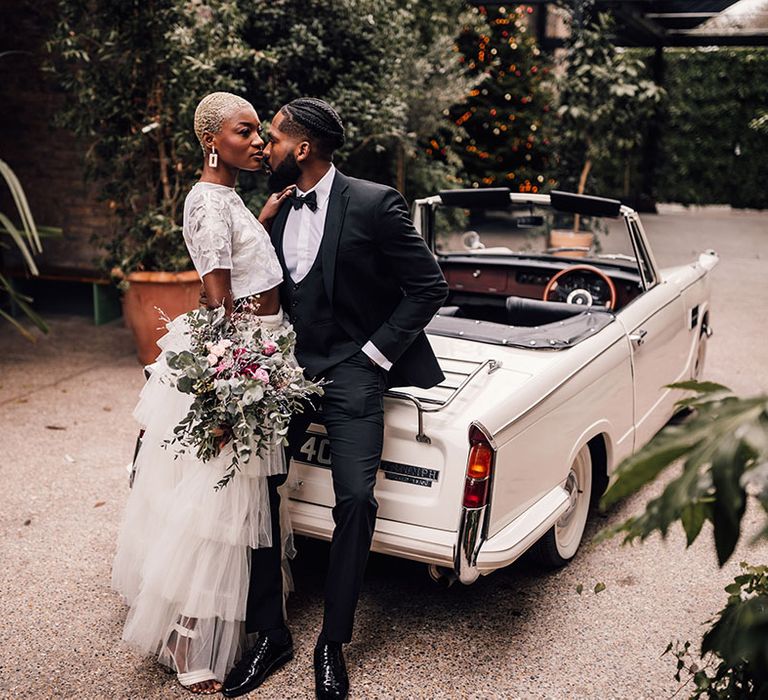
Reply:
x=352, y=412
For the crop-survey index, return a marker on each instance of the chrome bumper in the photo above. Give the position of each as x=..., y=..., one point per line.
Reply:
x=472, y=528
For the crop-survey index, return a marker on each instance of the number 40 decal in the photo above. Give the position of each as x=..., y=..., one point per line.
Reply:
x=317, y=450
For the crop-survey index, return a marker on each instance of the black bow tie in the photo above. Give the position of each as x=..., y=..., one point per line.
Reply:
x=310, y=199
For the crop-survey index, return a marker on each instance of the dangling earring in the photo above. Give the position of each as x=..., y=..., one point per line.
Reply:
x=213, y=158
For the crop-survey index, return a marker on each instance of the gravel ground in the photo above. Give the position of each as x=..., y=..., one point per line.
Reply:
x=65, y=408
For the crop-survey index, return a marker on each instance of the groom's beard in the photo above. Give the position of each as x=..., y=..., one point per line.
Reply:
x=287, y=173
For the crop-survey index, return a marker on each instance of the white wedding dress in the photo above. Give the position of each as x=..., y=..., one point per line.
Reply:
x=183, y=550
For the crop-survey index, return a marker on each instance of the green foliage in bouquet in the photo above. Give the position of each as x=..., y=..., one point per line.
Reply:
x=133, y=73
x=724, y=453
x=245, y=383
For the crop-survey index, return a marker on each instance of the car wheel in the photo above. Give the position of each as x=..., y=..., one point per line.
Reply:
x=562, y=540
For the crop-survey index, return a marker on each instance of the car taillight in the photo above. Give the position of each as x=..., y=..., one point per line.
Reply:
x=479, y=469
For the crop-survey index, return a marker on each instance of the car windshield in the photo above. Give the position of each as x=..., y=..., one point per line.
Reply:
x=528, y=229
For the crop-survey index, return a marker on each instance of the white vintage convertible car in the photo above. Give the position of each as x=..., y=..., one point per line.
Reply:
x=559, y=337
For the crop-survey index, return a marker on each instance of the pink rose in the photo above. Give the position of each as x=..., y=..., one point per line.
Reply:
x=270, y=348
x=262, y=375
x=224, y=365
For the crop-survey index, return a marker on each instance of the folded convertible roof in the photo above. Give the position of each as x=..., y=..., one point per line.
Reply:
x=499, y=198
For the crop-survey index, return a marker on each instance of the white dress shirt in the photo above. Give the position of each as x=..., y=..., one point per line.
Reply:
x=301, y=243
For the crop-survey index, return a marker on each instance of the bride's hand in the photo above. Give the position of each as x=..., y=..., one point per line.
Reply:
x=273, y=204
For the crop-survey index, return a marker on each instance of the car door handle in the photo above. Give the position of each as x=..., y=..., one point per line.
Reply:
x=638, y=337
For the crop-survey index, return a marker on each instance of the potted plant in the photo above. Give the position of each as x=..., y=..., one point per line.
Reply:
x=603, y=104
x=132, y=74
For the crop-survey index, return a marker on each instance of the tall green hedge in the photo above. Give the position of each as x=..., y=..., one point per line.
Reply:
x=708, y=153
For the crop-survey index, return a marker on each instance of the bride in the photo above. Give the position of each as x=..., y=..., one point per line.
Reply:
x=183, y=551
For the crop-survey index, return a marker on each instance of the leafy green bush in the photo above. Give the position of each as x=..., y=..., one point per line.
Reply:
x=605, y=101
x=711, y=147
x=388, y=67
x=708, y=152
x=133, y=73
x=734, y=655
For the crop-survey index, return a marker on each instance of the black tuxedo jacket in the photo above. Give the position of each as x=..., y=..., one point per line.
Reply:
x=383, y=282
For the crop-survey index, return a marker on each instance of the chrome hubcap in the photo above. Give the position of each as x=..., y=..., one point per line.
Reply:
x=572, y=488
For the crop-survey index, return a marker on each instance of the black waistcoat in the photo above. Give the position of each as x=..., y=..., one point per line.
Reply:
x=321, y=342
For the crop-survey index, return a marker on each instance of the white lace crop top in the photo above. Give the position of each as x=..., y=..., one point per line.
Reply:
x=221, y=233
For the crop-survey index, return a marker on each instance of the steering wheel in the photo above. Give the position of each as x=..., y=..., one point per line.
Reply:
x=577, y=290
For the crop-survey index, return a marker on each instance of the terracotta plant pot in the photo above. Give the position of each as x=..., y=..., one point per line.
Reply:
x=569, y=239
x=149, y=294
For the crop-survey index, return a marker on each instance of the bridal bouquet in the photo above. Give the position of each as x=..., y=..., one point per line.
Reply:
x=245, y=382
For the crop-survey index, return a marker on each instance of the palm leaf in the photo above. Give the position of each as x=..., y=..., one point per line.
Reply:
x=21, y=300
x=27, y=247
x=18, y=326
x=20, y=244
x=20, y=199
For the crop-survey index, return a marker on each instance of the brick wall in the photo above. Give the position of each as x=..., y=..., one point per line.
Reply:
x=47, y=160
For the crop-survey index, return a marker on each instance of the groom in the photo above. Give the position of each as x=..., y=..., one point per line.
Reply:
x=360, y=286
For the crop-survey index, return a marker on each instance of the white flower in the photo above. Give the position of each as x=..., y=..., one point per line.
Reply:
x=253, y=394
x=217, y=349
x=212, y=359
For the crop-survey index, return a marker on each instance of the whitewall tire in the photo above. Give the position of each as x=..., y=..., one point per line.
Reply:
x=560, y=543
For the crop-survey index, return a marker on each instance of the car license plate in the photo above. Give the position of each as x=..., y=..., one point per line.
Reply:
x=315, y=451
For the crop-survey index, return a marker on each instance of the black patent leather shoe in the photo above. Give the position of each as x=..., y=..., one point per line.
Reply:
x=256, y=665
x=331, y=681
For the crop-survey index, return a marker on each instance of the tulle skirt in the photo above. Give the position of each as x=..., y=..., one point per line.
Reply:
x=183, y=550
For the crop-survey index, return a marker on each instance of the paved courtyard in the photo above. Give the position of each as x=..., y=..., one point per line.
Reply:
x=67, y=434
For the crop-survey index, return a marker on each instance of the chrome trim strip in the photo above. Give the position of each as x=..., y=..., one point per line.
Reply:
x=491, y=441
x=647, y=252
x=470, y=539
x=473, y=525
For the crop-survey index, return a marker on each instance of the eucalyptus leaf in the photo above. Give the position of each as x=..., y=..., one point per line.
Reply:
x=184, y=385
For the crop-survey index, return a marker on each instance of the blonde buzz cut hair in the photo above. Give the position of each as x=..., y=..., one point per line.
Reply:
x=213, y=109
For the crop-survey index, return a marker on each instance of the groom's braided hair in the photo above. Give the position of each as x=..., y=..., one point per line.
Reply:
x=315, y=120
